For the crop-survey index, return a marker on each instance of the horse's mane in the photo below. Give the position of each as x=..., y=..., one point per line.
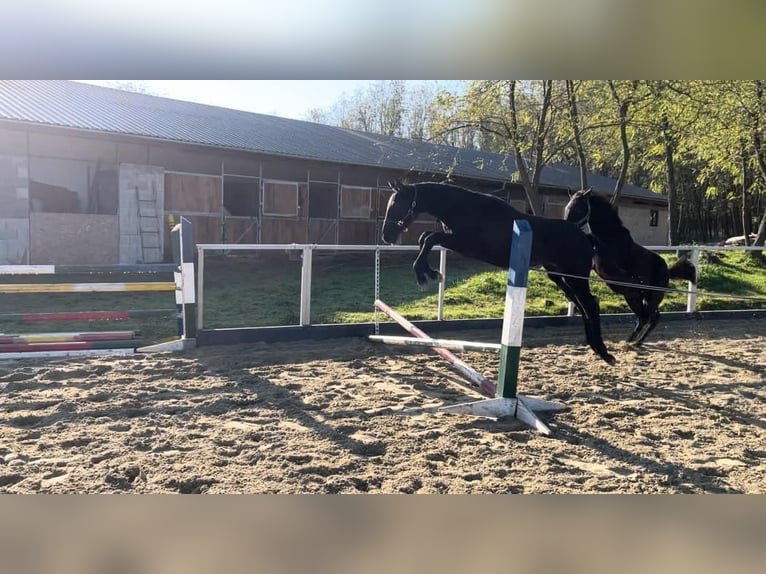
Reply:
x=460, y=190
x=608, y=221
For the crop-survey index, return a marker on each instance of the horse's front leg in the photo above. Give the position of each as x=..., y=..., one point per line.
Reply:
x=427, y=241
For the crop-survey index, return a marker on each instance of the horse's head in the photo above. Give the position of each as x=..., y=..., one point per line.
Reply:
x=578, y=209
x=400, y=211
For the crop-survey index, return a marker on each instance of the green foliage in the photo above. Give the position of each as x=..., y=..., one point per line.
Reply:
x=713, y=130
x=728, y=274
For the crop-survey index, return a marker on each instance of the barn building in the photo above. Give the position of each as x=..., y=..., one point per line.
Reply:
x=93, y=175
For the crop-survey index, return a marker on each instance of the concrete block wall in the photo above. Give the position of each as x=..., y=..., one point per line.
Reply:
x=14, y=241
x=636, y=219
x=14, y=204
x=73, y=239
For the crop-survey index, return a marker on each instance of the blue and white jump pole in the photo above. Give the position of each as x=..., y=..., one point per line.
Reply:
x=507, y=403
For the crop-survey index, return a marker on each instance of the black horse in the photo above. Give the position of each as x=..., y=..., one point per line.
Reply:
x=481, y=227
x=622, y=259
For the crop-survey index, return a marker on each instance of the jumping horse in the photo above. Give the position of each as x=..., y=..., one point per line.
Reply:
x=622, y=259
x=480, y=226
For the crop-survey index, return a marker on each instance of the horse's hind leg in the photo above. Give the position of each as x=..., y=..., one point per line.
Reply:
x=653, y=300
x=635, y=301
x=654, y=318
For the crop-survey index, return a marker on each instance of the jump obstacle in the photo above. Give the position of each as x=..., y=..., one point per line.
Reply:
x=99, y=342
x=448, y=344
x=504, y=401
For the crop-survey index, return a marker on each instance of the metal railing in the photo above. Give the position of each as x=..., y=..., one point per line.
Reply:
x=307, y=268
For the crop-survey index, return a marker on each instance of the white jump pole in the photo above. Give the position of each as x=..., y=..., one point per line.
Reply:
x=449, y=344
x=486, y=385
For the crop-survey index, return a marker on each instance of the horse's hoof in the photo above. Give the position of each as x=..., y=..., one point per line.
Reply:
x=610, y=359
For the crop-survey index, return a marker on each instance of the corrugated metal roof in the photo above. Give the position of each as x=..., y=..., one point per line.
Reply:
x=88, y=107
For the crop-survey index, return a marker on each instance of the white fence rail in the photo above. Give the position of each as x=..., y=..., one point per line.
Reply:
x=307, y=267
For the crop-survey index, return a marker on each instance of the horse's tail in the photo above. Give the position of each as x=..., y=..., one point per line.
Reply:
x=683, y=269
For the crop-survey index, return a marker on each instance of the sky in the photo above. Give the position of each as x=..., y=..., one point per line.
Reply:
x=284, y=98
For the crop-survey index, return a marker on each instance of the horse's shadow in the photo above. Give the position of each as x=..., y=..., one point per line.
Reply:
x=728, y=361
x=672, y=473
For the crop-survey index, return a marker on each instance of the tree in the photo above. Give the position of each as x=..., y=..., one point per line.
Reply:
x=514, y=118
x=386, y=107
x=729, y=141
x=703, y=143
x=760, y=150
x=574, y=122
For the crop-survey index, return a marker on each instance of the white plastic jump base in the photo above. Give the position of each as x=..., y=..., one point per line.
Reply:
x=521, y=408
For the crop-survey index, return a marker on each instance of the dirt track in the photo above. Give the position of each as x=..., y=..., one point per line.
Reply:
x=685, y=414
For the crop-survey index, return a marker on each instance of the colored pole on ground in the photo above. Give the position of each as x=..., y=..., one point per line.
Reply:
x=513, y=318
x=86, y=287
x=57, y=269
x=85, y=316
x=64, y=337
x=68, y=346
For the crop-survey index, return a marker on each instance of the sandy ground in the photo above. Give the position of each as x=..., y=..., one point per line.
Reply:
x=685, y=414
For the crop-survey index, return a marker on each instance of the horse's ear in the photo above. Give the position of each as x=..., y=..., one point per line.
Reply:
x=569, y=191
x=587, y=192
x=396, y=185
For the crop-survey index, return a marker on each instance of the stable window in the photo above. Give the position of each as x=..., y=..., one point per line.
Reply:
x=72, y=186
x=240, y=196
x=355, y=202
x=323, y=200
x=654, y=218
x=280, y=198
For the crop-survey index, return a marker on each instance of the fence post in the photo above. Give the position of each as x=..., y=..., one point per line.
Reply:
x=377, y=290
x=306, y=270
x=442, y=282
x=200, y=287
x=691, y=289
